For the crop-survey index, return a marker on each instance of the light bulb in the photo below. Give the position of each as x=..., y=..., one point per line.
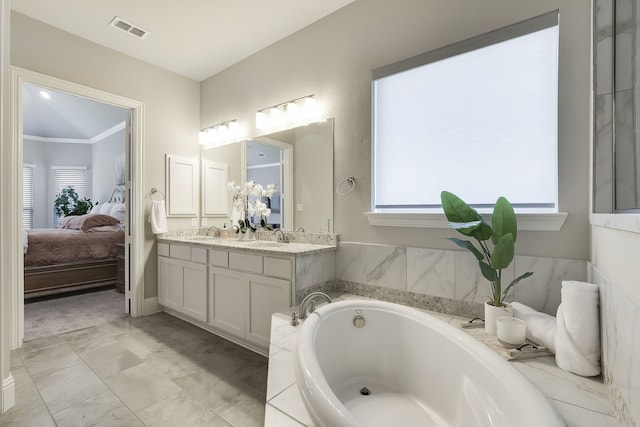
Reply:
x=261, y=120
x=275, y=115
x=293, y=112
x=234, y=128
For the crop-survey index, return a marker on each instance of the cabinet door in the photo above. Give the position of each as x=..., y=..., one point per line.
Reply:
x=170, y=283
x=266, y=297
x=194, y=296
x=227, y=296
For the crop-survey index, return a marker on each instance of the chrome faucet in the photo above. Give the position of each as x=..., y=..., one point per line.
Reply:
x=308, y=304
x=215, y=230
x=300, y=230
x=282, y=237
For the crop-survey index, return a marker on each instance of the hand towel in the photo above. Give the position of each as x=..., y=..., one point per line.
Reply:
x=541, y=327
x=578, y=329
x=25, y=241
x=158, y=217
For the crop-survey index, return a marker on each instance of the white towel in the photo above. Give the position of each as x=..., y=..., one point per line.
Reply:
x=158, y=217
x=578, y=329
x=25, y=241
x=541, y=327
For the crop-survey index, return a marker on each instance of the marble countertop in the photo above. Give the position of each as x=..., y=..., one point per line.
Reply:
x=258, y=246
x=580, y=401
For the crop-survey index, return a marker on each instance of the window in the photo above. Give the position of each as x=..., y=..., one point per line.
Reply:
x=27, y=196
x=477, y=118
x=69, y=176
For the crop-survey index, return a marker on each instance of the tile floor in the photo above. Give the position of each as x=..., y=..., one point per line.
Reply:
x=150, y=371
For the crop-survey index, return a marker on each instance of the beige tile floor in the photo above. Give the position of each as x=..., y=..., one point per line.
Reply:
x=149, y=371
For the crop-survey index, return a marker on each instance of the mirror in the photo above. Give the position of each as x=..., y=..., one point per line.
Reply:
x=301, y=159
x=616, y=151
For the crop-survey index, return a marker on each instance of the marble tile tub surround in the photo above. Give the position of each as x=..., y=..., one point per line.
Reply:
x=445, y=280
x=580, y=401
x=296, y=237
x=620, y=318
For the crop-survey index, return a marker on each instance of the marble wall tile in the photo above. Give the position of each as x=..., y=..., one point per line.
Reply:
x=620, y=328
x=350, y=262
x=431, y=272
x=470, y=284
x=603, y=154
x=603, y=53
x=315, y=268
x=625, y=148
x=542, y=290
x=625, y=57
x=386, y=266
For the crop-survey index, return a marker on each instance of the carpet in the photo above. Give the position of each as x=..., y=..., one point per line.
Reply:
x=58, y=315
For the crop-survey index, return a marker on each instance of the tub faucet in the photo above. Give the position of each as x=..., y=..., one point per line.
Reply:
x=282, y=237
x=308, y=304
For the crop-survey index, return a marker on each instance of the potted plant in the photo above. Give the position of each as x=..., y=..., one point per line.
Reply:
x=501, y=235
x=68, y=203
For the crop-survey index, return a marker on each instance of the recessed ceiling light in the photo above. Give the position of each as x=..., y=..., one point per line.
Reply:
x=129, y=28
x=45, y=94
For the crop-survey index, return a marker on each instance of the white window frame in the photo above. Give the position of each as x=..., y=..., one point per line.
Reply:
x=56, y=190
x=528, y=219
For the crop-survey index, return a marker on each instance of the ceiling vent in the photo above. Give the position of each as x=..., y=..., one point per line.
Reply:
x=125, y=26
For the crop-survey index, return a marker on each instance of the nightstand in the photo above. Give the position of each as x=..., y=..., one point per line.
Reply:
x=120, y=274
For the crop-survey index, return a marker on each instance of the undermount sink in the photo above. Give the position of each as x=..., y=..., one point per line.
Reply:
x=266, y=244
x=202, y=238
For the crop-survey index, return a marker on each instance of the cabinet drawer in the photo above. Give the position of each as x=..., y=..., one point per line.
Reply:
x=219, y=258
x=277, y=267
x=163, y=249
x=180, y=251
x=199, y=255
x=245, y=262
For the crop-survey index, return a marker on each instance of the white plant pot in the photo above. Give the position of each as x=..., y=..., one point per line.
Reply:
x=491, y=313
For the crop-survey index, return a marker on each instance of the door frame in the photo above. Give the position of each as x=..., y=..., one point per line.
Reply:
x=135, y=195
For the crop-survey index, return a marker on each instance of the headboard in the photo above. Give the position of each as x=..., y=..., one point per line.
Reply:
x=118, y=194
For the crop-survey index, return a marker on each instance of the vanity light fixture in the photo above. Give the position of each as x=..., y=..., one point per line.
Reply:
x=292, y=113
x=220, y=134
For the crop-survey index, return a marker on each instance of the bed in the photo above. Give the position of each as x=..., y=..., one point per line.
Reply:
x=80, y=256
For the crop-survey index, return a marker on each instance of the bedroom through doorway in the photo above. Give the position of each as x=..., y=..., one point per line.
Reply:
x=76, y=176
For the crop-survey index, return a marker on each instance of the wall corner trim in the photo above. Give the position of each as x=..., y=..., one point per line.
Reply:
x=8, y=393
x=151, y=306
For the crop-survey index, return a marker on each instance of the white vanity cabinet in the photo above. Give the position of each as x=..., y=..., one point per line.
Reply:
x=182, y=279
x=244, y=293
x=231, y=292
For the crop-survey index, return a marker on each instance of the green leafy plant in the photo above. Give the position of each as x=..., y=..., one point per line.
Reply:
x=68, y=203
x=501, y=234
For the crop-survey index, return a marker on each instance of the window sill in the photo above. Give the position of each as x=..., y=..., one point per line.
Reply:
x=526, y=221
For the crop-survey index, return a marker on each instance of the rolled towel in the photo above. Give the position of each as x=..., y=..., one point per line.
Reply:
x=541, y=327
x=158, y=217
x=578, y=329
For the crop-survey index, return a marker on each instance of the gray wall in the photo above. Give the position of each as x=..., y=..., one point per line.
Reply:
x=103, y=162
x=333, y=59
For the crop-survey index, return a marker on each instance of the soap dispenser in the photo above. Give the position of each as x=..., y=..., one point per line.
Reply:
x=224, y=233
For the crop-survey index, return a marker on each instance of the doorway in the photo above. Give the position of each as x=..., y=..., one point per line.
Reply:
x=132, y=189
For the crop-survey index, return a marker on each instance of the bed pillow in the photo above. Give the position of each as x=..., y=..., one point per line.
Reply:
x=117, y=211
x=105, y=209
x=62, y=222
x=95, y=209
x=85, y=222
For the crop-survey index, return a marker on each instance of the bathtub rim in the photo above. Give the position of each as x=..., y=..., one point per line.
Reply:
x=316, y=391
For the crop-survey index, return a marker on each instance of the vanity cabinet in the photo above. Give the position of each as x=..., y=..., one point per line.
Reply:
x=182, y=283
x=242, y=304
x=230, y=292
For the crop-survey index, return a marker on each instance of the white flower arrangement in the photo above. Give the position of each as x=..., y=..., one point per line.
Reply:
x=240, y=197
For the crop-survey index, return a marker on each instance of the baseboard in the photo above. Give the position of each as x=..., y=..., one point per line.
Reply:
x=151, y=306
x=8, y=393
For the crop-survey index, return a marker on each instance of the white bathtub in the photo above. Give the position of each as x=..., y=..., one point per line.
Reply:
x=419, y=370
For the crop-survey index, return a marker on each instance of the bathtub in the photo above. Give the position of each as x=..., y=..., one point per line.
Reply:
x=373, y=363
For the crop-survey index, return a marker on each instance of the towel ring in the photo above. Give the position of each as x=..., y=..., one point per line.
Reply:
x=157, y=193
x=352, y=185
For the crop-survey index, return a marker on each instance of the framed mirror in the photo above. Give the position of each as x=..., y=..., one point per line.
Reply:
x=299, y=161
